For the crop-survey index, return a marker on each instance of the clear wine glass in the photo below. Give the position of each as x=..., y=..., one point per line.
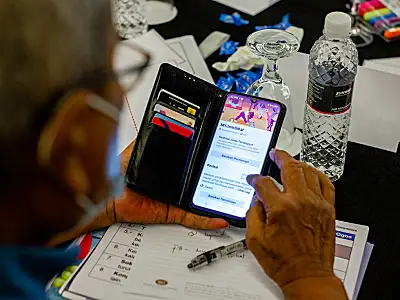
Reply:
x=273, y=44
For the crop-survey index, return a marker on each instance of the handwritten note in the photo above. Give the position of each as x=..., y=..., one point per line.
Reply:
x=166, y=274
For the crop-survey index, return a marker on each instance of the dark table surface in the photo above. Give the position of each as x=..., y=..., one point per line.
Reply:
x=368, y=192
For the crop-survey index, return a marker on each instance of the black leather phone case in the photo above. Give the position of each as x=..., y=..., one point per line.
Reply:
x=165, y=165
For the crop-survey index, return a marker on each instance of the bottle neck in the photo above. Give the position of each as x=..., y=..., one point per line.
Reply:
x=335, y=39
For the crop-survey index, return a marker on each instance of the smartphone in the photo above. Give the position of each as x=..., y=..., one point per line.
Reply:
x=247, y=129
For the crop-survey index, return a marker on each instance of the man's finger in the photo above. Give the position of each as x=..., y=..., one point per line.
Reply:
x=179, y=216
x=256, y=219
x=312, y=179
x=325, y=185
x=292, y=174
x=280, y=157
x=328, y=189
x=266, y=190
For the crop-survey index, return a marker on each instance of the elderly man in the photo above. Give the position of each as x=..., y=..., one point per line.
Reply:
x=59, y=104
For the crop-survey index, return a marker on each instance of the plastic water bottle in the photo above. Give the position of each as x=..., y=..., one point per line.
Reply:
x=332, y=70
x=128, y=17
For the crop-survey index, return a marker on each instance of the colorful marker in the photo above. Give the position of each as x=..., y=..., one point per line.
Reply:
x=392, y=33
x=386, y=23
x=376, y=13
x=381, y=18
x=369, y=6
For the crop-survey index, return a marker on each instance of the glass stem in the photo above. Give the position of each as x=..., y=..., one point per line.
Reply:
x=271, y=71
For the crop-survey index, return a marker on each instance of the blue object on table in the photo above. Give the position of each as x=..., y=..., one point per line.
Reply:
x=241, y=85
x=226, y=84
x=235, y=19
x=228, y=48
x=249, y=76
x=283, y=24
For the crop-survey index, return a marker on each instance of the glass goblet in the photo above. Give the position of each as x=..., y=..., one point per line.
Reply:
x=273, y=44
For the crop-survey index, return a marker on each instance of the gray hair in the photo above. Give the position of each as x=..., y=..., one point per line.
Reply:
x=45, y=44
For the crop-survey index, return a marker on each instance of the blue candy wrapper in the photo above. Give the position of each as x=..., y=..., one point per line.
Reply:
x=235, y=19
x=241, y=85
x=230, y=77
x=228, y=48
x=249, y=76
x=283, y=25
x=226, y=84
x=238, y=20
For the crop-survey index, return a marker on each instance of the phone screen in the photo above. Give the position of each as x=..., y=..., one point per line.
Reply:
x=239, y=147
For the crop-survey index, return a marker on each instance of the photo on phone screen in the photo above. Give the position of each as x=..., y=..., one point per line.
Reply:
x=239, y=148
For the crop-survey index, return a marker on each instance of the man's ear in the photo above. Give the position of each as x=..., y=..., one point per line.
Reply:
x=62, y=139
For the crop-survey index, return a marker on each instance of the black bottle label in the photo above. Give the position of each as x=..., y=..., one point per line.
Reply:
x=329, y=99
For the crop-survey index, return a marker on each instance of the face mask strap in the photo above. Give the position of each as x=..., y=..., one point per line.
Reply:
x=104, y=107
x=90, y=209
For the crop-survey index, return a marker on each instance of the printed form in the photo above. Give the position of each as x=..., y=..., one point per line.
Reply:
x=150, y=262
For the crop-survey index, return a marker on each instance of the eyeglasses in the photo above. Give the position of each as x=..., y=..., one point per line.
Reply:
x=129, y=54
x=126, y=54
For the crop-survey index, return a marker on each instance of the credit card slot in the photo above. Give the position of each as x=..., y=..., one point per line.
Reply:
x=207, y=129
x=163, y=163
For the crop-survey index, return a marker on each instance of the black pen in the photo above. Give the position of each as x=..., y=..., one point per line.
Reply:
x=215, y=254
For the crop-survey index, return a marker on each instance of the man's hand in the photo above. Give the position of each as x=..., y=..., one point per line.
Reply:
x=292, y=233
x=136, y=208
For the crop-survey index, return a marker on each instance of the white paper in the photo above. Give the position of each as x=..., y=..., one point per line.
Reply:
x=375, y=118
x=137, y=99
x=391, y=61
x=364, y=263
x=134, y=261
x=193, y=61
x=350, y=244
x=375, y=114
x=382, y=66
x=294, y=71
x=153, y=43
x=251, y=7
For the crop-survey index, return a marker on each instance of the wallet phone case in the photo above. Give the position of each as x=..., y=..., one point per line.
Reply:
x=165, y=165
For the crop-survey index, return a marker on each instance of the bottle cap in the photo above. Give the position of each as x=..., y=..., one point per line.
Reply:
x=337, y=25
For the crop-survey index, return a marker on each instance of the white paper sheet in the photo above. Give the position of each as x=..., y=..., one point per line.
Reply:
x=391, y=61
x=134, y=261
x=383, y=65
x=364, y=263
x=294, y=71
x=251, y=7
x=375, y=118
x=376, y=106
x=136, y=100
x=193, y=61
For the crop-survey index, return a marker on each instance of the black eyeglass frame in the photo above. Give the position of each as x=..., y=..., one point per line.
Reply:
x=89, y=81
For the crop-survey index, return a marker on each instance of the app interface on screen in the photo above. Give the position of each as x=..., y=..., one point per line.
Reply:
x=239, y=147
